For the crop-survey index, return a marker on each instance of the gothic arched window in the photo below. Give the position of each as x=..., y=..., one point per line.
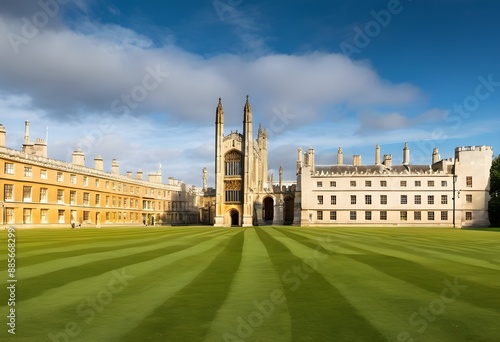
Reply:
x=232, y=162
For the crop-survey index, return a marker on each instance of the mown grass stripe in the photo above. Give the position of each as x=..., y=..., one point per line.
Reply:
x=255, y=308
x=96, y=238
x=187, y=315
x=311, y=299
x=151, y=285
x=59, y=264
x=367, y=287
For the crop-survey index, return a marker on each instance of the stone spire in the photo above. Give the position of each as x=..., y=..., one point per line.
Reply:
x=248, y=111
x=219, y=112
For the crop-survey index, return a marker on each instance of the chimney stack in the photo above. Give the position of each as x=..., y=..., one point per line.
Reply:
x=115, y=169
x=2, y=136
x=139, y=174
x=129, y=174
x=78, y=157
x=98, y=163
x=388, y=160
x=356, y=160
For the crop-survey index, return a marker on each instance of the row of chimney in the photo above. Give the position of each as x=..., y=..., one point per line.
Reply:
x=78, y=158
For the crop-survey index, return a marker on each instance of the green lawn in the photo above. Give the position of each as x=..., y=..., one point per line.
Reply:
x=254, y=284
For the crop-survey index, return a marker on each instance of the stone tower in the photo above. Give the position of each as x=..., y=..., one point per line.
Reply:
x=240, y=171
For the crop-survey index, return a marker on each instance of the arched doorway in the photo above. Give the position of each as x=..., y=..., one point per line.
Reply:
x=235, y=218
x=268, y=207
x=288, y=210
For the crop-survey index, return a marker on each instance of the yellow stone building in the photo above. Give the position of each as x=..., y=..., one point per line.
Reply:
x=36, y=191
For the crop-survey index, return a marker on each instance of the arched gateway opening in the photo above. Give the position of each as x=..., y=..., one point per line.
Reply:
x=235, y=218
x=288, y=210
x=268, y=209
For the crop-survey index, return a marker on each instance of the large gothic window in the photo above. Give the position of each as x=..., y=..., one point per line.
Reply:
x=232, y=161
x=233, y=191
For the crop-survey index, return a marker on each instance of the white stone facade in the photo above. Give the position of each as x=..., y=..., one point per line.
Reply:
x=450, y=192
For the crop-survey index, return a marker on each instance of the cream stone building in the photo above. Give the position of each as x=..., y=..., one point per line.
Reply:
x=244, y=194
x=37, y=191
x=451, y=192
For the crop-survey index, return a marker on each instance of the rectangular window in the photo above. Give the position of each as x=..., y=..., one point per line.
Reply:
x=26, y=215
x=468, y=181
x=333, y=184
x=60, y=177
x=430, y=183
x=333, y=199
x=368, y=199
x=26, y=193
x=402, y=183
x=107, y=184
x=353, y=199
x=444, y=216
x=444, y=199
x=120, y=188
x=85, y=181
x=72, y=197
x=417, y=216
x=8, y=192
x=72, y=179
x=9, y=215
x=430, y=199
x=383, y=183
x=383, y=199
x=368, y=183
x=319, y=215
x=44, y=215
x=9, y=168
x=352, y=215
x=430, y=215
x=403, y=215
x=418, y=183
x=353, y=184
x=468, y=198
x=28, y=171
x=319, y=184
x=97, y=183
x=107, y=201
x=97, y=199
x=368, y=215
x=60, y=196
x=86, y=216
x=418, y=199
x=86, y=198
x=60, y=216
x=333, y=215
x=43, y=174
x=468, y=215
x=404, y=199
x=43, y=195
x=383, y=216
x=320, y=199
x=444, y=183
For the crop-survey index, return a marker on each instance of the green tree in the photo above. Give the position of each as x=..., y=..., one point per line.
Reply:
x=494, y=203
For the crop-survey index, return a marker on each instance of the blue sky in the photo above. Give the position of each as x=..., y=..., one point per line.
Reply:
x=139, y=81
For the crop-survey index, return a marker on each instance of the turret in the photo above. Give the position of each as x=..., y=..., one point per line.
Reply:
x=340, y=157
x=377, y=155
x=435, y=156
x=406, y=155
